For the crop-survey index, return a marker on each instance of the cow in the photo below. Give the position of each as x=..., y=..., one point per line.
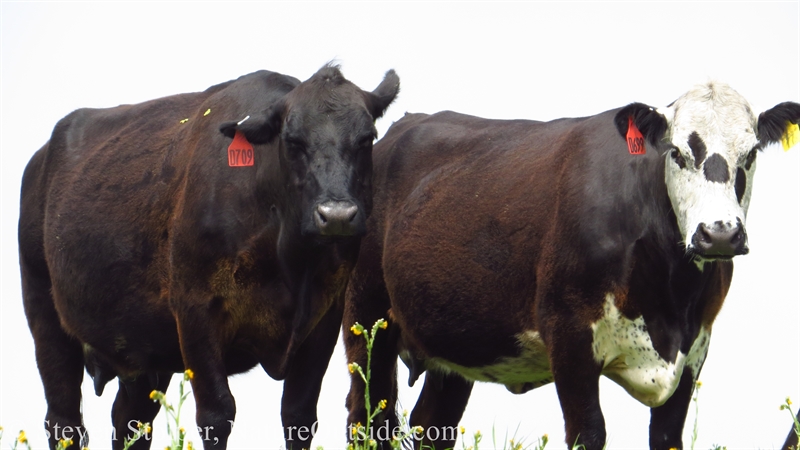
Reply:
x=210, y=231
x=523, y=253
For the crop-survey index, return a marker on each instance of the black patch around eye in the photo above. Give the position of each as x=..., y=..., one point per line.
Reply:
x=698, y=149
x=741, y=184
x=716, y=169
x=751, y=158
x=676, y=155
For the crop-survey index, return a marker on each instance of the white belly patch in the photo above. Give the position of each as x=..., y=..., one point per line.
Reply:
x=519, y=374
x=624, y=348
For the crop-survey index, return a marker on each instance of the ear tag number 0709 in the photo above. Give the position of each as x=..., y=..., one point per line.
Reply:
x=240, y=152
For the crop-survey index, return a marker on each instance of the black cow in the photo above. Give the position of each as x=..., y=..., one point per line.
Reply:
x=150, y=242
x=522, y=253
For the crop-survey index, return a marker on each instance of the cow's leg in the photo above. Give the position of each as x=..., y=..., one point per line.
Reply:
x=577, y=379
x=667, y=420
x=304, y=380
x=59, y=358
x=439, y=408
x=200, y=328
x=367, y=301
x=132, y=404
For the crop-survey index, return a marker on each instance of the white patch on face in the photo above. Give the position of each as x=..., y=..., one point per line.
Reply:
x=519, y=374
x=624, y=349
x=725, y=122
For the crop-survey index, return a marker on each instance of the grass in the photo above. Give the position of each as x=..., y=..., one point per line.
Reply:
x=360, y=433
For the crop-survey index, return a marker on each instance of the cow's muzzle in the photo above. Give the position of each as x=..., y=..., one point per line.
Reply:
x=720, y=240
x=338, y=219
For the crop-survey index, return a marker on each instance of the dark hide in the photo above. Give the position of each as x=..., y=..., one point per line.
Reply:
x=143, y=253
x=772, y=122
x=485, y=230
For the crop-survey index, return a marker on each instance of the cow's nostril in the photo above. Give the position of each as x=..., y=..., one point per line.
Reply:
x=336, y=218
x=321, y=215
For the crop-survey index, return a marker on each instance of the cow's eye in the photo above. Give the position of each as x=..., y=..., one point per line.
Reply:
x=678, y=158
x=365, y=141
x=751, y=157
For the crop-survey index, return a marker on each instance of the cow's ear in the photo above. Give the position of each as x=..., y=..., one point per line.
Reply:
x=383, y=96
x=772, y=123
x=651, y=122
x=260, y=128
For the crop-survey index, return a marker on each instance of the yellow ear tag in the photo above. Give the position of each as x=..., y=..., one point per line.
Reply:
x=791, y=136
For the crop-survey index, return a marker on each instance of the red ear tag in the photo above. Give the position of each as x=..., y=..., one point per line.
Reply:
x=240, y=152
x=634, y=138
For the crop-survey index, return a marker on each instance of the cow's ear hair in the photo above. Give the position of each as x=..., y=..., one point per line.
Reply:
x=772, y=122
x=260, y=128
x=378, y=100
x=652, y=123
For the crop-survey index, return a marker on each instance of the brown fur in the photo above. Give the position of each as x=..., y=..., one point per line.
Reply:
x=143, y=253
x=485, y=229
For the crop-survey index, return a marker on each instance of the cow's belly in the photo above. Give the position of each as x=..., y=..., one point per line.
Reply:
x=529, y=370
x=624, y=348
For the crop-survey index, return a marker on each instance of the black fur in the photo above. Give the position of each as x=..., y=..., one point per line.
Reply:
x=698, y=148
x=716, y=169
x=260, y=129
x=652, y=124
x=772, y=122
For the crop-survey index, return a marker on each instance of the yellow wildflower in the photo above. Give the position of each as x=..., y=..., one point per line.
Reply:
x=66, y=442
x=698, y=383
x=384, y=324
x=382, y=404
x=353, y=431
x=22, y=438
x=189, y=445
x=462, y=430
x=153, y=395
x=147, y=429
x=188, y=375
x=351, y=367
x=357, y=329
x=788, y=401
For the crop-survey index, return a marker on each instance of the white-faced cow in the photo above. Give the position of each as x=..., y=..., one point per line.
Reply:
x=163, y=236
x=525, y=253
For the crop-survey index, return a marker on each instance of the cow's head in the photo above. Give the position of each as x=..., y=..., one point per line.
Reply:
x=710, y=137
x=325, y=129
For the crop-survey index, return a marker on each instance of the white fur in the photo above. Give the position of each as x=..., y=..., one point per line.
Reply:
x=624, y=349
x=725, y=122
x=622, y=346
x=529, y=370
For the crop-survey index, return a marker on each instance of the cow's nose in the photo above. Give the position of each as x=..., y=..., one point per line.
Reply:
x=720, y=240
x=336, y=218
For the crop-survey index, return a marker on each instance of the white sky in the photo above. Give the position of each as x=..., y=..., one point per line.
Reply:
x=509, y=60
